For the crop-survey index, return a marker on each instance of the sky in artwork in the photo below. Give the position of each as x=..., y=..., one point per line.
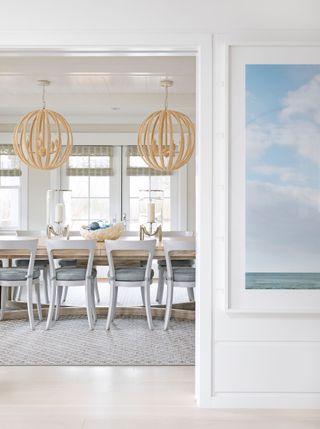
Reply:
x=282, y=168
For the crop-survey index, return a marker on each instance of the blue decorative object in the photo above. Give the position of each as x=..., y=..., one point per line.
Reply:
x=94, y=225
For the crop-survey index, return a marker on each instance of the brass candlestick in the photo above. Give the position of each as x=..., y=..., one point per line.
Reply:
x=157, y=233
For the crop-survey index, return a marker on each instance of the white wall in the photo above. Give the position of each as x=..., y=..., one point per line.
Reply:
x=38, y=184
x=256, y=360
x=214, y=16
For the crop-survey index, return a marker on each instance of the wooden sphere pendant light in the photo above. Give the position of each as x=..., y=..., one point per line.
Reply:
x=43, y=138
x=166, y=138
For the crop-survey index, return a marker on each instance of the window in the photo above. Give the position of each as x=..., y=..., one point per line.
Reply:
x=106, y=181
x=10, y=188
x=89, y=170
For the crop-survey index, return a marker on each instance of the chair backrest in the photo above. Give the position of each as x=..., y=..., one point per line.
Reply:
x=145, y=246
x=177, y=234
x=30, y=233
x=171, y=246
x=21, y=244
x=130, y=234
x=74, y=234
x=55, y=245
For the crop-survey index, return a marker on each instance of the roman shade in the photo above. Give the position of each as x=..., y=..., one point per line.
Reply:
x=90, y=160
x=137, y=167
x=9, y=162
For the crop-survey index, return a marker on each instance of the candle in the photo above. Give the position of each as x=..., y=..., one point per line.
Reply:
x=151, y=212
x=58, y=213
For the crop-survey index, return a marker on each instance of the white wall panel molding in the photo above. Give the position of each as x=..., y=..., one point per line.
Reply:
x=262, y=360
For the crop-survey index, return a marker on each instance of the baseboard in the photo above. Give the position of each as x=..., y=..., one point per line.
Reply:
x=286, y=400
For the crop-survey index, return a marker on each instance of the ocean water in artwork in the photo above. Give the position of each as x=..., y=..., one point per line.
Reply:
x=282, y=176
x=282, y=280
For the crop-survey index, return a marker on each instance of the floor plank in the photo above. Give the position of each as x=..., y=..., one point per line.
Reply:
x=127, y=397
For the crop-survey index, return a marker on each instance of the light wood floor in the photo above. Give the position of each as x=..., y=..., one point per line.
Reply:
x=122, y=398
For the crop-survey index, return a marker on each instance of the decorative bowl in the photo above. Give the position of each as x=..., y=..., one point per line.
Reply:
x=111, y=233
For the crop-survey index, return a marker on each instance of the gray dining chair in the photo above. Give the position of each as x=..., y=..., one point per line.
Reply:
x=21, y=276
x=64, y=263
x=72, y=276
x=130, y=276
x=177, y=276
x=41, y=264
x=175, y=263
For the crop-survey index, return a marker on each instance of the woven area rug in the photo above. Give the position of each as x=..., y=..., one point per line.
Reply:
x=69, y=342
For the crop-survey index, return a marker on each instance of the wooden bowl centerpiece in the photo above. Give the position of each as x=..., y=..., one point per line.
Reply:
x=98, y=233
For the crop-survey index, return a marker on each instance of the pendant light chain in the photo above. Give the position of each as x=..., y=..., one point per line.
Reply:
x=166, y=98
x=43, y=96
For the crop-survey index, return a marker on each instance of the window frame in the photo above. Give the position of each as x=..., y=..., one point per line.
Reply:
x=22, y=200
x=119, y=183
x=62, y=179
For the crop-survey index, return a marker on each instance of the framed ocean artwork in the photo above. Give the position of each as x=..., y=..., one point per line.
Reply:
x=274, y=179
x=282, y=176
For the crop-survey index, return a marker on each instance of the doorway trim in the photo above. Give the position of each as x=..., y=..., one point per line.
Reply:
x=103, y=43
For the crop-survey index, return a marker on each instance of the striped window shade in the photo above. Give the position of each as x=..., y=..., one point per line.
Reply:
x=9, y=162
x=90, y=161
x=137, y=167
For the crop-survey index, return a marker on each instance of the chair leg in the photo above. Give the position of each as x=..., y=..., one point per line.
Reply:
x=115, y=299
x=52, y=304
x=111, y=305
x=169, y=305
x=4, y=295
x=65, y=293
x=148, y=305
x=19, y=293
x=96, y=290
x=30, y=303
x=93, y=306
x=190, y=293
x=89, y=304
x=58, y=303
x=160, y=286
x=143, y=296
x=37, y=288
x=45, y=280
x=15, y=293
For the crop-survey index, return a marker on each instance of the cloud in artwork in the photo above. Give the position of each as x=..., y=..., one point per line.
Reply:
x=282, y=221
x=297, y=128
x=303, y=101
x=282, y=210
x=303, y=137
x=284, y=174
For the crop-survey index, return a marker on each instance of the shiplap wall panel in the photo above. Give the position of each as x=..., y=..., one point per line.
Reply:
x=267, y=367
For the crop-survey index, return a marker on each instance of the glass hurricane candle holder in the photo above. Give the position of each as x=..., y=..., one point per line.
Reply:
x=151, y=206
x=58, y=212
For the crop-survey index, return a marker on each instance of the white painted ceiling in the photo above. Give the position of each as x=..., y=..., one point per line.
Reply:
x=96, y=89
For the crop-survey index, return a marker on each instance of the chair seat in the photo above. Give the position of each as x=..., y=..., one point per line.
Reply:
x=68, y=263
x=177, y=263
x=24, y=263
x=73, y=273
x=17, y=274
x=183, y=274
x=131, y=274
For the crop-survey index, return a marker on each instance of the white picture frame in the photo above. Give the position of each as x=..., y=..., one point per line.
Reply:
x=238, y=298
